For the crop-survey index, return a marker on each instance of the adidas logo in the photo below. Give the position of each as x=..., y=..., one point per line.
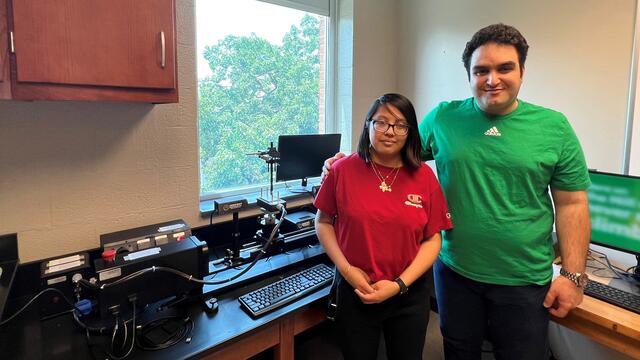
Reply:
x=493, y=132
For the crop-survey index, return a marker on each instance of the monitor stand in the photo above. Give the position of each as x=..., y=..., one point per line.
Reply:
x=299, y=189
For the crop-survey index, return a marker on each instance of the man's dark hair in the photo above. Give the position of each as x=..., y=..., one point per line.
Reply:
x=499, y=34
x=411, y=151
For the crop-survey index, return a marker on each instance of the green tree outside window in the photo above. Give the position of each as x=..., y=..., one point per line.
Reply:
x=258, y=90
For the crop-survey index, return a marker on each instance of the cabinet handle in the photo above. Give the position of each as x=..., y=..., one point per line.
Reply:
x=164, y=50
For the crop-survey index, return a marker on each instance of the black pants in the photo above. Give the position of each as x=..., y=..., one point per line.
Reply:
x=511, y=317
x=402, y=320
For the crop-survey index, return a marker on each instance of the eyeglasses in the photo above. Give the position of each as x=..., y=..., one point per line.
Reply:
x=383, y=126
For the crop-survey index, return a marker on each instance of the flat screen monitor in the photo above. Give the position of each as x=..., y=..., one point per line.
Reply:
x=614, y=204
x=302, y=156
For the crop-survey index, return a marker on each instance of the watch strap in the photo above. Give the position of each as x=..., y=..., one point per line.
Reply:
x=576, y=278
x=403, y=286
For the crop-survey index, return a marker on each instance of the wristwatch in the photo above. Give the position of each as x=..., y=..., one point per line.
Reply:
x=580, y=279
x=403, y=286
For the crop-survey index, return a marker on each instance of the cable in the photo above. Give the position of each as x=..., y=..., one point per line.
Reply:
x=115, y=331
x=133, y=336
x=34, y=299
x=73, y=308
x=89, y=328
x=615, y=269
x=83, y=325
x=190, y=277
x=597, y=271
x=145, y=342
x=125, y=334
x=283, y=213
x=601, y=268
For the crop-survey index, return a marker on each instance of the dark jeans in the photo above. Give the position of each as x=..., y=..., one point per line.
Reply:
x=512, y=318
x=402, y=320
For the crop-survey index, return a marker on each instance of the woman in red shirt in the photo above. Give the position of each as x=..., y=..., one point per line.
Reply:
x=380, y=213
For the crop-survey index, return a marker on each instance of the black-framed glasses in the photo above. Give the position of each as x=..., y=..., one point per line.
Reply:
x=382, y=126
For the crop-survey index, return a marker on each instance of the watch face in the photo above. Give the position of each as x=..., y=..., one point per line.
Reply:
x=583, y=279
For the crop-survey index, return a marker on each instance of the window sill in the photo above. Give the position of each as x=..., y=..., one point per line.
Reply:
x=293, y=199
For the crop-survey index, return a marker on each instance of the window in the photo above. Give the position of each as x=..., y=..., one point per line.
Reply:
x=261, y=73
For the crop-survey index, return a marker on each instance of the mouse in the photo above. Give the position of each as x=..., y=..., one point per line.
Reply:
x=211, y=306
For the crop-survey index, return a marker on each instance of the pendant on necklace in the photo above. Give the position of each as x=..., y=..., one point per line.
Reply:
x=384, y=187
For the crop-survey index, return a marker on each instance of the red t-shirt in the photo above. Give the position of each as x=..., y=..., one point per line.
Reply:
x=381, y=232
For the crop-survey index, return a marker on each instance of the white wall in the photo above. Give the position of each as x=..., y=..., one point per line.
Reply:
x=375, y=56
x=579, y=60
x=634, y=163
x=634, y=160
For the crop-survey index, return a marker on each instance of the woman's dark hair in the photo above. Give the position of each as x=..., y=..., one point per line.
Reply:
x=499, y=34
x=412, y=147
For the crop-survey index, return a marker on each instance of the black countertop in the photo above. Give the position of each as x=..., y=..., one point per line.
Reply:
x=26, y=337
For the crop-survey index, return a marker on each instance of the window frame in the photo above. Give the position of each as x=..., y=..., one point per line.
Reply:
x=331, y=121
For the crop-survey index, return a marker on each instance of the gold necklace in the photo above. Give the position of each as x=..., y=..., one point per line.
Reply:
x=383, y=180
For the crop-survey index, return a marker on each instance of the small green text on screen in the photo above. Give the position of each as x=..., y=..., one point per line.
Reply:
x=614, y=204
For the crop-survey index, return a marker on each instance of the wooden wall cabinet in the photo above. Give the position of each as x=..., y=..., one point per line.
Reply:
x=99, y=50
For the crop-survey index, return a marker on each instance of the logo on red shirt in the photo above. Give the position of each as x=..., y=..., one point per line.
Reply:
x=414, y=200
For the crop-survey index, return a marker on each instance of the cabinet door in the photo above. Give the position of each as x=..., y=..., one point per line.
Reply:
x=5, y=84
x=110, y=43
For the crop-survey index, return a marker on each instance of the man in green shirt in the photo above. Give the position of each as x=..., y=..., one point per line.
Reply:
x=497, y=157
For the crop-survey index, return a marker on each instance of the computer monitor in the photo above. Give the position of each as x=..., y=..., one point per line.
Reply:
x=614, y=204
x=302, y=156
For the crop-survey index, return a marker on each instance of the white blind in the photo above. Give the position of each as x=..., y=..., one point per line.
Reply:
x=320, y=7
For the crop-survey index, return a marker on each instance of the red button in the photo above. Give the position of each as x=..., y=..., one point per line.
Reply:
x=180, y=238
x=109, y=255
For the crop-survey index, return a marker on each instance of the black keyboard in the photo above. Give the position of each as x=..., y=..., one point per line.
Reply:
x=283, y=291
x=613, y=296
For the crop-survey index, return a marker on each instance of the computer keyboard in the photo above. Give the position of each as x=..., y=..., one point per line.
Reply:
x=272, y=296
x=614, y=296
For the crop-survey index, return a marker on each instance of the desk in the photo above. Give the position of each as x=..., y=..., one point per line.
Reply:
x=605, y=323
x=229, y=334
x=279, y=335
x=60, y=338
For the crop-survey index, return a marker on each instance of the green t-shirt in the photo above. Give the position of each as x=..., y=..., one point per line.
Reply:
x=495, y=172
